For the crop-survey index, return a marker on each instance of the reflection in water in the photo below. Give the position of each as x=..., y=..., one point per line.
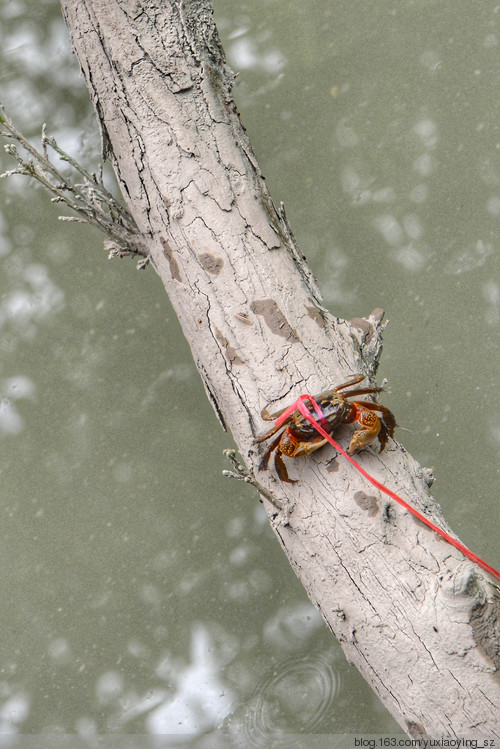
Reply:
x=491, y=294
x=13, y=712
x=5, y=243
x=200, y=700
x=22, y=307
x=292, y=627
x=402, y=235
x=464, y=259
x=427, y=132
x=253, y=51
x=12, y=389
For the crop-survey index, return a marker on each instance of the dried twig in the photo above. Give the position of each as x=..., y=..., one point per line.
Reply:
x=88, y=198
x=243, y=474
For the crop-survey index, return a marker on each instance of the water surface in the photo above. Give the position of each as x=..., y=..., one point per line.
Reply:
x=142, y=592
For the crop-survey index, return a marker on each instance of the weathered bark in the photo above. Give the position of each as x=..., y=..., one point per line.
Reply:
x=420, y=622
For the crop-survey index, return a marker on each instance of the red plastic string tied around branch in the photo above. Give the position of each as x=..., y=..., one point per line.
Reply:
x=302, y=408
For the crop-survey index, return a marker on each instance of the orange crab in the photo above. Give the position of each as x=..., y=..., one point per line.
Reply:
x=296, y=436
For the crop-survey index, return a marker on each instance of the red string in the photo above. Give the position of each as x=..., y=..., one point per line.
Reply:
x=300, y=406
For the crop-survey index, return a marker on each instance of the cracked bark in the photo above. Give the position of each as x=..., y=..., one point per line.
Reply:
x=421, y=623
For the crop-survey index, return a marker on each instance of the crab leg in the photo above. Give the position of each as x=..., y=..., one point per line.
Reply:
x=264, y=461
x=281, y=469
x=267, y=416
x=351, y=381
x=266, y=435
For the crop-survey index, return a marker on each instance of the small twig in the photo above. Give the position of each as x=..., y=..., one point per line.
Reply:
x=89, y=199
x=90, y=179
x=243, y=474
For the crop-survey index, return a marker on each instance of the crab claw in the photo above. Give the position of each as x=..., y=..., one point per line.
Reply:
x=370, y=428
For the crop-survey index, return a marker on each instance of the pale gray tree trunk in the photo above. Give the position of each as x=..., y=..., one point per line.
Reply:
x=420, y=622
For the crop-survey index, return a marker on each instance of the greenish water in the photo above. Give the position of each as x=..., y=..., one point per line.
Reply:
x=142, y=592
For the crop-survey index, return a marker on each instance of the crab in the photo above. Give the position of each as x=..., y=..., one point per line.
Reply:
x=296, y=436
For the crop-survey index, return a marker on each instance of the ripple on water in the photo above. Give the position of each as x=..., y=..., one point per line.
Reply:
x=292, y=699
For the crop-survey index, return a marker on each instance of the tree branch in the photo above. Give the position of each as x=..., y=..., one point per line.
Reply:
x=420, y=622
